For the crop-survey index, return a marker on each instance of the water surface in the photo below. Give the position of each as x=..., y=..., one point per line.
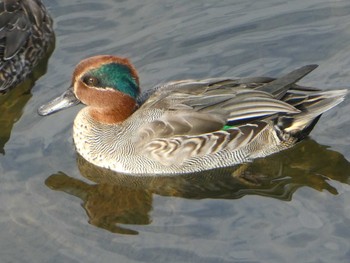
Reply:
x=290, y=207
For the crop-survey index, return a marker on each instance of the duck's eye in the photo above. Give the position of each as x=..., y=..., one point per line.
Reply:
x=91, y=81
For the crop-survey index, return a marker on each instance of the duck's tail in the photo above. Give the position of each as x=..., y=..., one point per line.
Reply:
x=311, y=103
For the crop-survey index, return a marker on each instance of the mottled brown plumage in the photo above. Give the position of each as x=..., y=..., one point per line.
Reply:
x=25, y=37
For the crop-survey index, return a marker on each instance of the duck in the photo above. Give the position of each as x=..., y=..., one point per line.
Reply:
x=26, y=35
x=186, y=126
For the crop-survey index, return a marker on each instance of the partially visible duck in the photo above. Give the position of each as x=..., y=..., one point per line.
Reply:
x=26, y=34
x=189, y=125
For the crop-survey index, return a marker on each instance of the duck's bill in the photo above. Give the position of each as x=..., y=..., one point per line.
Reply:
x=66, y=100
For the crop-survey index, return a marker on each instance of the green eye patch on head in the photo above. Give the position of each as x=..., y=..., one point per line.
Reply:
x=115, y=76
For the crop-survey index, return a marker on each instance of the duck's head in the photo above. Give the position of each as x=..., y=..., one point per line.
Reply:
x=109, y=85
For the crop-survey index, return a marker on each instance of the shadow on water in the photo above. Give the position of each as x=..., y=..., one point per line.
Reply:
x=13, y=102
x=121, y=199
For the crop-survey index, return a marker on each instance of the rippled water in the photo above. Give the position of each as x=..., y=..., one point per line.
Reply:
x=290, y=207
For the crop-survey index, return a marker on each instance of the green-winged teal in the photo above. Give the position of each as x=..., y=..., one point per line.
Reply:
x=189, y=125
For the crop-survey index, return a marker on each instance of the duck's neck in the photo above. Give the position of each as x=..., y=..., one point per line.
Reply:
x=116, y=114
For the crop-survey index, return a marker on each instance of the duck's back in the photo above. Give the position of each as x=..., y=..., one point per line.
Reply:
x=25, y=36
x=199, y=125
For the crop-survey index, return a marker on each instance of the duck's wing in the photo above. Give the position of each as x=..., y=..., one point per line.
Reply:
x=279, y=87
x=195, y=118
x=197, y=122
x=191, y=118
x=194, y=107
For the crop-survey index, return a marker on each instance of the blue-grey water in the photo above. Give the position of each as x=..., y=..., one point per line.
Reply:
x=290, y=207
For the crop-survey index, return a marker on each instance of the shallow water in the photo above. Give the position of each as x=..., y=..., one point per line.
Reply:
x=290, y=207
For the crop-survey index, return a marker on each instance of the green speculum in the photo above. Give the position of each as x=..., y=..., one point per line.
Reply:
x=226, y=127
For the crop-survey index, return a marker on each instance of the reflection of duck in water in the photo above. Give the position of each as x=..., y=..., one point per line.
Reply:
x=186, y=126
x=122, y=199
x=107, y=204
x=26, y=42
x=26, y=35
